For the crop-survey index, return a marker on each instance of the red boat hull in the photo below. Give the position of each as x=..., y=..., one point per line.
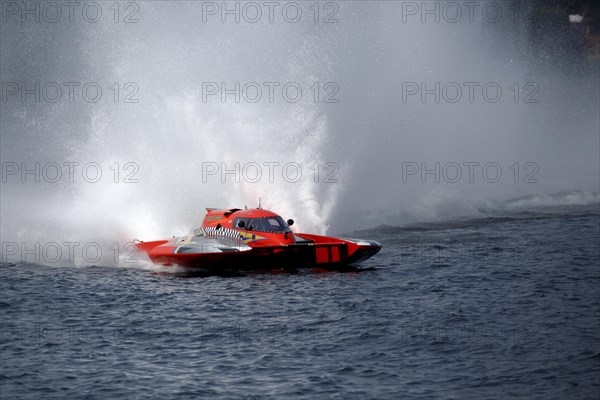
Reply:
x=220, y=246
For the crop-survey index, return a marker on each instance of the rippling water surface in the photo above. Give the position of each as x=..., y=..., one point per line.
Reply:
x=501, y=307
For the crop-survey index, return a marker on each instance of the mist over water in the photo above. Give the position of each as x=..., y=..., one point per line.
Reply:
x=372, y=134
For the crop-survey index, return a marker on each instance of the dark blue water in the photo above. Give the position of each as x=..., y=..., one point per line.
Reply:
x=497, y=307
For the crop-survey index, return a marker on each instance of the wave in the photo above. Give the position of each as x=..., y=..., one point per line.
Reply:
x=564, y=204
x=563, y=198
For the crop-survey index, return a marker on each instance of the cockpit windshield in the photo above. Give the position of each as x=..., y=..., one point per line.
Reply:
x=268, y=224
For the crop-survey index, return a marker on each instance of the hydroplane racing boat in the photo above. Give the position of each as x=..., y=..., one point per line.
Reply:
x=241, y=240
